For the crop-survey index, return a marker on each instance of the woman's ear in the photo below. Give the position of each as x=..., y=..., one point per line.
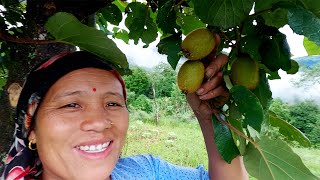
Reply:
x=32, y=136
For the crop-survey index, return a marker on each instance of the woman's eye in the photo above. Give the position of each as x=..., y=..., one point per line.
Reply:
x=113, y=104
x=71, y=105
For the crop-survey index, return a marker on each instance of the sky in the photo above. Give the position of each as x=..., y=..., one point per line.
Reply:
x=283, y=88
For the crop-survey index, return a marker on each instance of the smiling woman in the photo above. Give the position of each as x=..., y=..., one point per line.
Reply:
x=72, y=121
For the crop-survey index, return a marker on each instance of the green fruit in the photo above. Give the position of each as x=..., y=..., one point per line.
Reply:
x=245, y=72
x=198, y=44
x=190, y=76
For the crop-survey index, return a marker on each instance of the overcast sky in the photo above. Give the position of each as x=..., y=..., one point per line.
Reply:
x=284, y=88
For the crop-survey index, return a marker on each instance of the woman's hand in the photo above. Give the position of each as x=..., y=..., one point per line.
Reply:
x=214, y=87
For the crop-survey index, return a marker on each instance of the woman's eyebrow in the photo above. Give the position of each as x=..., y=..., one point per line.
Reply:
x=67, y=94
x=114, y=94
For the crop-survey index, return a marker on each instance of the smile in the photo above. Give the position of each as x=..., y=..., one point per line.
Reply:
x=94, y=148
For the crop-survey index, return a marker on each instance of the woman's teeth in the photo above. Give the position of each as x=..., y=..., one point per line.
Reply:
x=94, y=148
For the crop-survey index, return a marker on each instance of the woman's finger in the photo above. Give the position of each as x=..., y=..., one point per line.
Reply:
x=216, y=65
x=211, y=84
x=213, y=93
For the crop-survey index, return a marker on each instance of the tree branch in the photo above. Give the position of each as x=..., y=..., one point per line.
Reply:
x=5, y=37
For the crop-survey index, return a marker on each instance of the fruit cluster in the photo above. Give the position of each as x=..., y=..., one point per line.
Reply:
x=197, y=45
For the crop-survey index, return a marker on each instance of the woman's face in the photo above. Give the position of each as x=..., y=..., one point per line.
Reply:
x=81, y=126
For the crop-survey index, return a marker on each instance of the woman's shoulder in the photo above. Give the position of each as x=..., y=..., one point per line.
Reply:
x=146, y=166
x=135, y=167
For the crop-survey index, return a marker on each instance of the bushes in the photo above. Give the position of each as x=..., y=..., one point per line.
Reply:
x=303, y=115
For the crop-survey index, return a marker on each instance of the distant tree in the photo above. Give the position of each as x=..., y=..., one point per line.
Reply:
x=282, y=109
x=306, y=117
x=163, y=76
x=139, y=82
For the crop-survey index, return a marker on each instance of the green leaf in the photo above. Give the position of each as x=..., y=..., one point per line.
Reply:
x=166, y=17
x=121, y=34
x=249, y=106
x=120, y=4
x=294, y=67
x=68, y=29
x=140, y=25
x=276, y=18
x=263, y=5
x=224, y=13
x=250, y=44
x=312, y=5
x=311, y=47
x=224, y=141
x=145, y=29
x=234, y=120
x=189, y=22
x=275, y=52
x=262, y=91
x=112, y=14
x=135, y=10
x=305, y=23
x=275, y=160
x=171, y=46
x=288, y=130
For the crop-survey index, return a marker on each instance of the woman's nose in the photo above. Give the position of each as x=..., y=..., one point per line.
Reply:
x=95, y=119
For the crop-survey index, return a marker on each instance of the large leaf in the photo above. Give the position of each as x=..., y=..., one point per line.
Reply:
x=294, y=67
x=262, y=91
x=112, y=14
x=171, y=46
x=140, y=24
x=312, y=5
x=189, y=22
x=224, y=13
x=275, y=52
x=249, y=106
x=166, y=17
x=275, y=160
x=311, y=47
x=224, y=141
x=276, y=18
x=68, y=29
x=288, y=130
x=305, y=23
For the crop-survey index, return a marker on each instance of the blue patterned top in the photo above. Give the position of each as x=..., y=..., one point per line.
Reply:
x=148, y=167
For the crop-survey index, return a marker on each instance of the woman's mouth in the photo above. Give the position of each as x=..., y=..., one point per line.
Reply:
x=94, y=148
x=95, y=151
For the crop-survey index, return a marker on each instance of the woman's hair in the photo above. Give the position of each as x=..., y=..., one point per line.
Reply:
x=22, y=161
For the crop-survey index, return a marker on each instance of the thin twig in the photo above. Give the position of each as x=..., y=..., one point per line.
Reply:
x=234, y=129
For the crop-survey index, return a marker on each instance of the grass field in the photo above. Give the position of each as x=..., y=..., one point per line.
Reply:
x=182, y=144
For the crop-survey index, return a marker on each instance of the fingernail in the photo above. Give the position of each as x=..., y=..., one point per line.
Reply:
x=202, y=97
x=209, y=73
x=200, y=91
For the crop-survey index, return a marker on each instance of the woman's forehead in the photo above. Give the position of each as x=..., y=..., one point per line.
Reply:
x=92, y=78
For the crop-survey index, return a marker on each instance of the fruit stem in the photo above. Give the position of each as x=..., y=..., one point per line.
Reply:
x=180, y=2
x=216, y=114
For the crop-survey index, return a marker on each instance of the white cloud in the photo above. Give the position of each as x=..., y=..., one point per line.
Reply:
x=286, y=90
x=137, y=55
